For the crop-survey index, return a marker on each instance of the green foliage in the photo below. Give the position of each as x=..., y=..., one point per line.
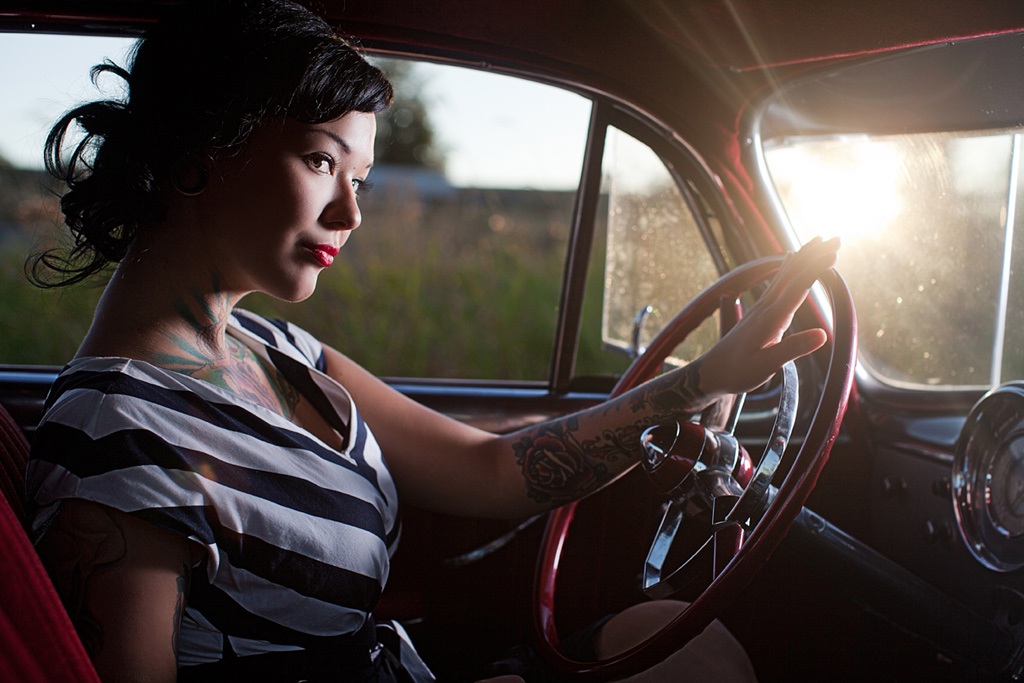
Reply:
x=464, y=286
x=385, y=316
x=39, y=327
x=405, y=134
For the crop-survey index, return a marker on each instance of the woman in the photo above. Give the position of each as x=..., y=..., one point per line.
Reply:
x=207, y=498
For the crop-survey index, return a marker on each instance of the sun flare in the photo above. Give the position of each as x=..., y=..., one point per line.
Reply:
x=848, y=189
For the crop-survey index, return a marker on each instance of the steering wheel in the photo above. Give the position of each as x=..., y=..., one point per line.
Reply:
x=695, y=464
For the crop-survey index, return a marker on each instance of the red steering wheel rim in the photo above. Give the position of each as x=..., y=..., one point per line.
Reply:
x=791, y=496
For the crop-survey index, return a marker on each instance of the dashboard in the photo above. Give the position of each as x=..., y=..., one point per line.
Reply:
x=946, y=503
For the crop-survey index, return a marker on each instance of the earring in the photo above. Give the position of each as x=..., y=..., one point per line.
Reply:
x=189, y=176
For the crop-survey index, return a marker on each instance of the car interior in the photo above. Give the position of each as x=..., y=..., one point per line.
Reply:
x=572, y=196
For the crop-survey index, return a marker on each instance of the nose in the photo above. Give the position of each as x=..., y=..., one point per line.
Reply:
x=342, y=213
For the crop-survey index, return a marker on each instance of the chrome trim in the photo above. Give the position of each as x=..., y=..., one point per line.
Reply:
x=1004, y=285
x=635, y=350
x=710, y=495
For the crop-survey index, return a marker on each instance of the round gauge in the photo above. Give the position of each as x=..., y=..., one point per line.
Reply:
x=988, y=479
x=1005, y=487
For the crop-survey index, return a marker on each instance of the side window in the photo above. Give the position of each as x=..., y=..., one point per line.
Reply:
x=655, y=256
x=928, y=223
x=43, y=76
x=456, y=269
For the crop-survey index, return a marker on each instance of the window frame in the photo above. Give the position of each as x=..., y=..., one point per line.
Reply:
x=684, y=166
x=690, y=172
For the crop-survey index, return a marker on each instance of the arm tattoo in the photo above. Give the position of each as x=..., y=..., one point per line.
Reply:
x=561, y=463
x=554, y=463
x=75, y=551
x=671, y=396
x=184, y=582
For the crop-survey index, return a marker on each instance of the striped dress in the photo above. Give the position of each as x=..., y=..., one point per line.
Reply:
x=297, y=536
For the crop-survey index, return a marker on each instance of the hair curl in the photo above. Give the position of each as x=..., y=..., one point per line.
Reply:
x=201, y=79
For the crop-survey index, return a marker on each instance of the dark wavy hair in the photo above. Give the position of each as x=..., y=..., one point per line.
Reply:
x=201, y=79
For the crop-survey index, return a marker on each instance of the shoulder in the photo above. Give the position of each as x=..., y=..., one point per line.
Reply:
x=282, y=335
x=97, y=386
x=110, y=413
x=85, y=383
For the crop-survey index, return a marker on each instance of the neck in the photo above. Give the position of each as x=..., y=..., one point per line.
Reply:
x=172, y=313
x=195, y=335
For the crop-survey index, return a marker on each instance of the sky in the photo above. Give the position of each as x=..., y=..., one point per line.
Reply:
x=38, y=82
x=498, y=131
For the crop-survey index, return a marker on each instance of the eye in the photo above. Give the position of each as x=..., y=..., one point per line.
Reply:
x=321, y=162
x=361, y=186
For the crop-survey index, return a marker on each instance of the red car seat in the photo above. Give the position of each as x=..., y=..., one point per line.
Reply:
x=38, y=644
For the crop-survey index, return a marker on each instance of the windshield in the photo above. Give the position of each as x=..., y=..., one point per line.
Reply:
x=927, y=223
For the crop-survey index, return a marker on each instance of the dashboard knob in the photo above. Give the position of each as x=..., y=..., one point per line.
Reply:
x=936, y=532
x=893, y=486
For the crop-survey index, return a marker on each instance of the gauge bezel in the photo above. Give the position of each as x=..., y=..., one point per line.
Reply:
x=995, y=422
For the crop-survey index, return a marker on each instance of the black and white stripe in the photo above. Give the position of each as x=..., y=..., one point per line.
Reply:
x=297, y=536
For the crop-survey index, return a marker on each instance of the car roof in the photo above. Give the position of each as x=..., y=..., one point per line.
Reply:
x=623, y=46
x=740, y=34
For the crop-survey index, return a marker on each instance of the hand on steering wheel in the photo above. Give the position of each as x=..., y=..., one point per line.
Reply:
x=754, y=349
x=747, y=355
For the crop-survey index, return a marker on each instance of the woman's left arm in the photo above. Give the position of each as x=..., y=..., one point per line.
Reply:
x=447, y=466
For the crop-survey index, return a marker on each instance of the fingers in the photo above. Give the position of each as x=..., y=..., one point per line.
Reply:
x=815, y=257
x=758, y=346
x=799, y=271
x=796, y=346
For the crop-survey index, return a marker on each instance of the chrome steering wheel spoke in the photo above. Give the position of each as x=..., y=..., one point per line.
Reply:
x=712, y=487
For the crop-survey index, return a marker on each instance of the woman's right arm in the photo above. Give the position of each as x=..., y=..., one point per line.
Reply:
x=124, y=583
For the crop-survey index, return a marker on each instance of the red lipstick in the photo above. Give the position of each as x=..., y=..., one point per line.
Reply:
x=324, y=253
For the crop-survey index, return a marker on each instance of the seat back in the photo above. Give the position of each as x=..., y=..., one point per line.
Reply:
x=38, y=644
x=13, y=459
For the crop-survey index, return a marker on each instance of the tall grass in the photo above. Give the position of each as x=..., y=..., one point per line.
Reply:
x=39, y=327
x=465, y=286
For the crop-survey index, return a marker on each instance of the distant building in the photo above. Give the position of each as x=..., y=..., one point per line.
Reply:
x=399, y=183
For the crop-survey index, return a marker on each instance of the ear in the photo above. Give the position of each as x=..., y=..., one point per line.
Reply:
x=190, y=175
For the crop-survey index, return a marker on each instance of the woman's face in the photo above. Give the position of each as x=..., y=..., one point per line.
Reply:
x=278, y=212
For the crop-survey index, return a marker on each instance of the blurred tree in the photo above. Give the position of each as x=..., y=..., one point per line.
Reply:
x=404, y=132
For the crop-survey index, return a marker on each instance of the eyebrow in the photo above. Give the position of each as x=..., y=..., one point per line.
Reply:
x=338, y=139
x=334, y=136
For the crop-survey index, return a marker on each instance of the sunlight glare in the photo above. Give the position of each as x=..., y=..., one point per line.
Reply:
x=849, y=189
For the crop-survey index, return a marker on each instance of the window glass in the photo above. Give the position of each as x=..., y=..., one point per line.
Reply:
x=655, y=255
x=42, y=77
x=456, y=270
x=923, y=219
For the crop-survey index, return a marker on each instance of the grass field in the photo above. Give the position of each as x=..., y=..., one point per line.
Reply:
x=462, y=287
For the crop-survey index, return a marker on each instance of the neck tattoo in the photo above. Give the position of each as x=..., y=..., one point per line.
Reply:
x=202, y=349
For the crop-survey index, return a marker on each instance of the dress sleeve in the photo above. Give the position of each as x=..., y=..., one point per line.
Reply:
x=296, y=533
x=126, y=444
